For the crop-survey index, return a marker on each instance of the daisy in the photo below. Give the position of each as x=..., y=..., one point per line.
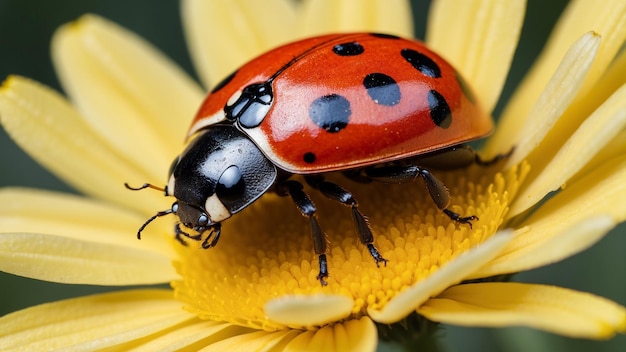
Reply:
x=258, y=288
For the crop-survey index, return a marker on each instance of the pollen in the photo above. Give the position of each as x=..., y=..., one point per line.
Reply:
x=266, y=251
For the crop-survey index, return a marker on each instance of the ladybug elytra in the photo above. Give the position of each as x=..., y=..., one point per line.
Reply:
x=373, y=106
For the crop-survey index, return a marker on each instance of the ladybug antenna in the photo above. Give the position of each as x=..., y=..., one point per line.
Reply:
x=144, y=186
x=159, y=214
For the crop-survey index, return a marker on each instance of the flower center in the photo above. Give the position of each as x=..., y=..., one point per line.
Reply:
x=266, y=250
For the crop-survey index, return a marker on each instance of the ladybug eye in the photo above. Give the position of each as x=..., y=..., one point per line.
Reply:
x=203, y=220
x=230, y=186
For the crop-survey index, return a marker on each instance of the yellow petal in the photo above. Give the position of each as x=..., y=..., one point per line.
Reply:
x=407, y=301
x=330, y=16
x=608, y=19
x=79, y=218
x=595, y=199
x=595, y=133
x=351, y=335
x=601, y=191
x=557, y=95
x=308, y=310
x=223, y=34
x=612, y=79
x=553, y=309
x=128, y=92
x=47, y=127
x=540, y=244
x=613, y=150
x=479, y=38
x=608, y=84
x=66, y=260
x=188, y=335
x=253, y=341
x=92, y=322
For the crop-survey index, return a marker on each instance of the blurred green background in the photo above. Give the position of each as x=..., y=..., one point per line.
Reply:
x=25, y=31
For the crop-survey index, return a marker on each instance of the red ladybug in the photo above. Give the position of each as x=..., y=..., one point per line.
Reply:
x=373, y=106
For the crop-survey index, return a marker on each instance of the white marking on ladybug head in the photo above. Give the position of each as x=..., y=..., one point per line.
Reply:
x=216, y=210
x=170, y=185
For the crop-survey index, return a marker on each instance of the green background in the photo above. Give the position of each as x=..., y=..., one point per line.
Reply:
x=25, y=31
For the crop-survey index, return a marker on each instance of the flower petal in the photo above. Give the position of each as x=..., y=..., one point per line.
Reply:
x=46, y=126
x=254, y=341
x=554, y=309
x=608, y=19
x=557, y=95
x=92, y=322
x=595, y=133
x=188, y=335
x=596, y=200
x=224, y=34
x=537, y=245
x=352, y=335
x=479, y=38
x=613, y=150
x=59, y=259
x=63, y=238
x=308, y=310
x=454, y=272
x=84, y=219
x=610, y=81
x=127, y=91
x=330, y=16
x=601, y=191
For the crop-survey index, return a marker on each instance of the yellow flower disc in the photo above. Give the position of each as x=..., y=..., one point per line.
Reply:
x=266, y=251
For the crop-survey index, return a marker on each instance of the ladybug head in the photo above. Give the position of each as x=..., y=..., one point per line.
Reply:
x=221, y=172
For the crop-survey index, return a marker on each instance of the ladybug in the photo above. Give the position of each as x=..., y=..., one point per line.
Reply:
x=374, y=107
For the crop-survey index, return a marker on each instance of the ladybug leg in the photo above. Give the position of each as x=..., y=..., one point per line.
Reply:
x=180, y=234
x=307, y=208
x=214, y=235
x=361, y=223
x=408, y=173
x=209, y=241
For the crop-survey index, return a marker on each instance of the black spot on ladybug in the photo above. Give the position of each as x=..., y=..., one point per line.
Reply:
x=384, y=36
x=224, y=82
x=421, y=62
x=309, y=157
x=252, y=105
x=467, y=91
x=382, y=89
x=348, y=49
x=330, y=112
x=439, y=109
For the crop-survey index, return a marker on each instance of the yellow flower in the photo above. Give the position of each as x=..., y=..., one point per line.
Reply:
x=257, y=289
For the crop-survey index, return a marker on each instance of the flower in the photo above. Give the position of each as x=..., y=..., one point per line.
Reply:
x=258, y=289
